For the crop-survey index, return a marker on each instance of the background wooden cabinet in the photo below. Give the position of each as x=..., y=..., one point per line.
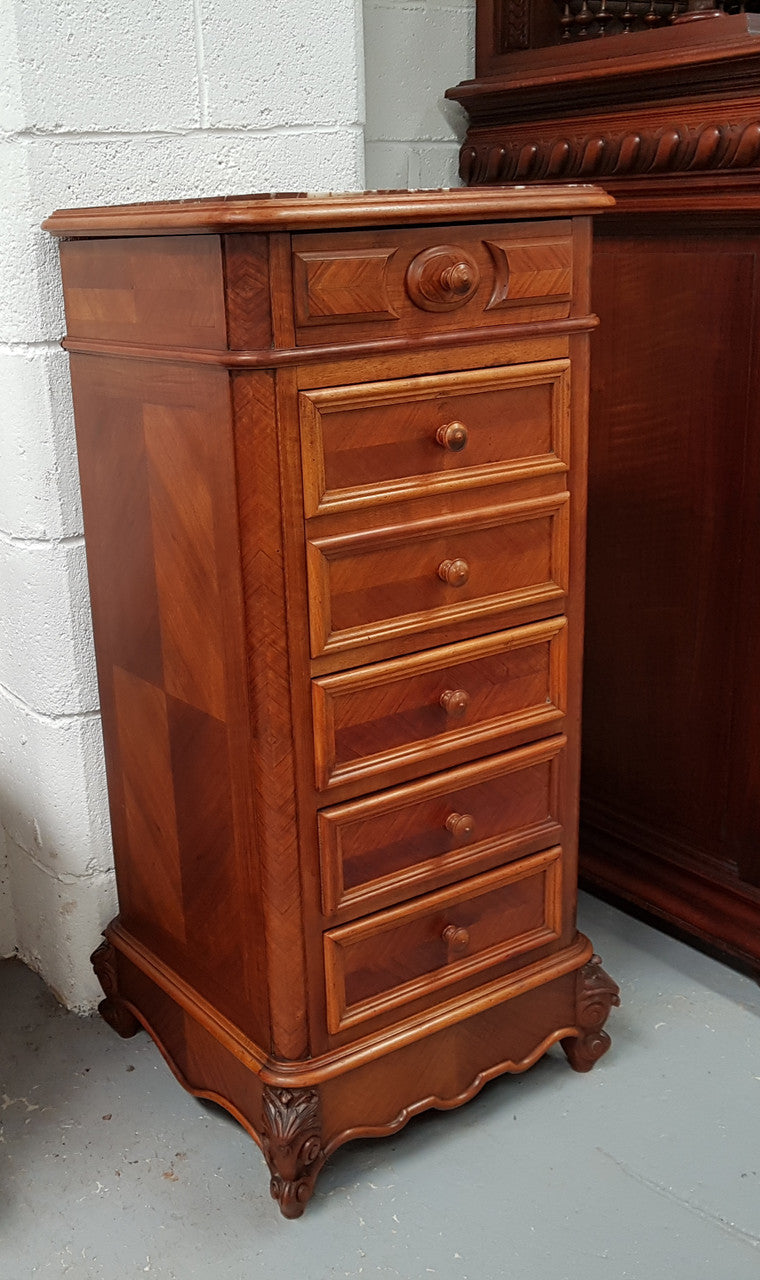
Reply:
x=668, y=120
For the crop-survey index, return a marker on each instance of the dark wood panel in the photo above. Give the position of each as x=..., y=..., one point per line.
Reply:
x=669, y=408
x=688, y=896
x=743, y=828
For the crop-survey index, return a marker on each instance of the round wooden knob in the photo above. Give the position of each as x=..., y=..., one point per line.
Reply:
x=441, y=278
x=457, y=278
x=452, y=436
x=454, y=572
x=455, y=701
x=461, y=825
x=457, y=939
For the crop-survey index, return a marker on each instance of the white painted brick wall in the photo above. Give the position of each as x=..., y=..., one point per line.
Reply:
x=300, y=65
x=39, y=496
x=415, y=50
x=104, y=101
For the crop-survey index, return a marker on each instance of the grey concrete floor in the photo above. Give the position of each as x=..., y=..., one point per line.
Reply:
x=648, y=1168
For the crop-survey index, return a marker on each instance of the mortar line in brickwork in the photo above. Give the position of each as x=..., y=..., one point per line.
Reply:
x=47, y=717
x=418, y=144
x=192, y=131
x=421, y=6
x=34, y=544
x=24, y=347
x=200, y=62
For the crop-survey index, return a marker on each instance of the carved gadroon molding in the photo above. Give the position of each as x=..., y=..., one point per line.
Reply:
x=596, y=993
x=598, y=155
x=292, y=1144
x=112, y=1009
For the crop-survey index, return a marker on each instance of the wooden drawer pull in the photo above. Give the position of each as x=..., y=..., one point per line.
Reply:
x=452, y=436
x=454, y=572
x=455, y=938
x=458, y=279
x=461, y=825
x=455, y=701
x=442, y=278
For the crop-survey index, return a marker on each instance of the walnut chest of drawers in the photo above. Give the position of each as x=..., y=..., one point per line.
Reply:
x=332, y=453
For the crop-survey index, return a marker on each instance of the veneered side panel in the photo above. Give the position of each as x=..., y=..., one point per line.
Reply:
x=156, y=461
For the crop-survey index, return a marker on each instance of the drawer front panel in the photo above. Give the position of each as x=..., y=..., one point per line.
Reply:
x=409, y=952
x=407, y=713
x=377, y=442
x=390, y=846
x=366, y=587
x=373, y=284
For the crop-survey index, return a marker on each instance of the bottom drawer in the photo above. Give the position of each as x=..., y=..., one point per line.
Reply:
x=411, y=951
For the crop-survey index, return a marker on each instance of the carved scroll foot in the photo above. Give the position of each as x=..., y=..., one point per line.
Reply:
x=596, y=993
x=292, y=1145
x=112, y=1009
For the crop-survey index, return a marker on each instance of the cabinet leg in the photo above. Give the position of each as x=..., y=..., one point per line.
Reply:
x=112, y=1009
x=596, y=993
x=292, y=1145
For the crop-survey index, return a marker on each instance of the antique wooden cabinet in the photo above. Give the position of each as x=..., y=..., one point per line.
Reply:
x=667, y=117
x=333, y=469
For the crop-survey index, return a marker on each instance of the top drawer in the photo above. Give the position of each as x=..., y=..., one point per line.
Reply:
x=361, y=285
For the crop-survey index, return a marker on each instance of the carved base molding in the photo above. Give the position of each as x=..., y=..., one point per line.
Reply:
x=299, y=1125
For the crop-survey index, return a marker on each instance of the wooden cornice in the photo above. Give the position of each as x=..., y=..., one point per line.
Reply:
x=647, y=115
x=697, y=59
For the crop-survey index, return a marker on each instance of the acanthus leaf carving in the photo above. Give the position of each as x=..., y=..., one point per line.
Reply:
x=292, y=1144
x=596, y=993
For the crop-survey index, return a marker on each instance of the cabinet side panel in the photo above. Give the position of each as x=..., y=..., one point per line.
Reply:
x=165, y=289
x=158, y=487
